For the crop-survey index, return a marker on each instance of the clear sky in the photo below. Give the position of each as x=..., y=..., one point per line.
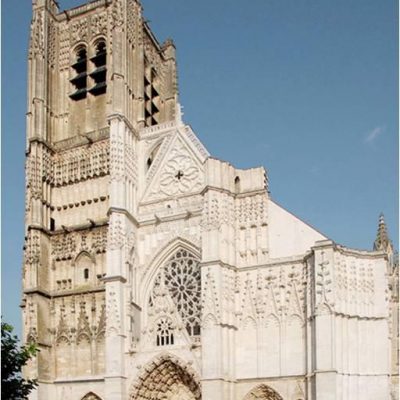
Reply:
x=306, y=88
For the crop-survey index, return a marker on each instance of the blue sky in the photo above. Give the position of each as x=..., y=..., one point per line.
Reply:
x=306, y=88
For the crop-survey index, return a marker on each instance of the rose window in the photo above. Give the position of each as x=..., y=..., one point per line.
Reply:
x=181, y=276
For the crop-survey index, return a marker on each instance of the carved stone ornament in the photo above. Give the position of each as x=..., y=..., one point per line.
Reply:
x=83, y=329
x=180, y=174
x=167, y=377
x=66, y=246
x=113, y=320
x=32, y=247
x=81, y=164
x=64, y=47
x=37, y=38
x=79, y=30
x=51, y=42
x=211, y=216
x=98, y=24
x=116, y=16
x=116, y=236
x=117, y=157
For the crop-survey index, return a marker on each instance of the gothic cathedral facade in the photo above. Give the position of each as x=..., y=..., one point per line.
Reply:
x=153, y=270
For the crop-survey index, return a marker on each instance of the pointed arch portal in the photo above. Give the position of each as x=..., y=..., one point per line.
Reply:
x=263, y=392
x=91, y=396
x=166, y=380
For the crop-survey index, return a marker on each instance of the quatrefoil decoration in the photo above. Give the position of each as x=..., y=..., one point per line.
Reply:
x=180, y=176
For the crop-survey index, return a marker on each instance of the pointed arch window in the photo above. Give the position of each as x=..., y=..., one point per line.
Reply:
x=152, y=156
x=79, y=80
x=181, y=277
x=99, y=73
x=165, y=332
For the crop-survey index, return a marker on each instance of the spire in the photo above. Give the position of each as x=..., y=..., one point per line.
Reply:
x=382, y=241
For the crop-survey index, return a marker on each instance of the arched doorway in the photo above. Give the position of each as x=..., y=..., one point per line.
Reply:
x=263, y=392
x=91, y=396
x=166, y=379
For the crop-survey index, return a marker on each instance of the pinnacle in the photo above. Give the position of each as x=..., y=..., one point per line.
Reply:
x=382, y=241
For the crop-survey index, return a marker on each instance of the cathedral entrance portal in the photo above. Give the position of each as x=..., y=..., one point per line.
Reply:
x=263, y=392
x=166, y=380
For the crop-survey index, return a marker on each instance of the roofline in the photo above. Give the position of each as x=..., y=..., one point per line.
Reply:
x=304, y=222
x=87, y=6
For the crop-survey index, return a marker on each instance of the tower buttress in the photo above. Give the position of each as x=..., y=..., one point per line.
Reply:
x=96, y=75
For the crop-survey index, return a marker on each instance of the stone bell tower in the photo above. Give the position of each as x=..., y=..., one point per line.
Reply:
x=96, y=76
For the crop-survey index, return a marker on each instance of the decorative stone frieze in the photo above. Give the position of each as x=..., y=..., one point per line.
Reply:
x=82, y=163
x=79, y=30
x=52, y=43
x=37, y=35
x=98, y=24
x=66, y=246
x=64, y=47
x=32, y=247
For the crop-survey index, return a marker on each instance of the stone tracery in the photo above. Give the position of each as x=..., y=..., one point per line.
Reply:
x=181, y=276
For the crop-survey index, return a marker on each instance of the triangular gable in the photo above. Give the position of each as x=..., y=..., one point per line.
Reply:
x=180, y=170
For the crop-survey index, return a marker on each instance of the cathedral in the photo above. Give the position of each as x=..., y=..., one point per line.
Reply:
x=153, y=270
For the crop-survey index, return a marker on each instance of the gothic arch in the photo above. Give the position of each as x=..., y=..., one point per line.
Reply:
x=81, y=254
x=81, y=45
x=160, y=258
x=249, y=323
x=176, y=293
x=82, y=262
x=152, y=153
x=166, y=377
x=91, y=396
x=263, y=392
x=295, y=318
x=96, y=39
x=209, y=321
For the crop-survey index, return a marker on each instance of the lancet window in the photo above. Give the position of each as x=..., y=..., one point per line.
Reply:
x=79, y=80
x=99, y=73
